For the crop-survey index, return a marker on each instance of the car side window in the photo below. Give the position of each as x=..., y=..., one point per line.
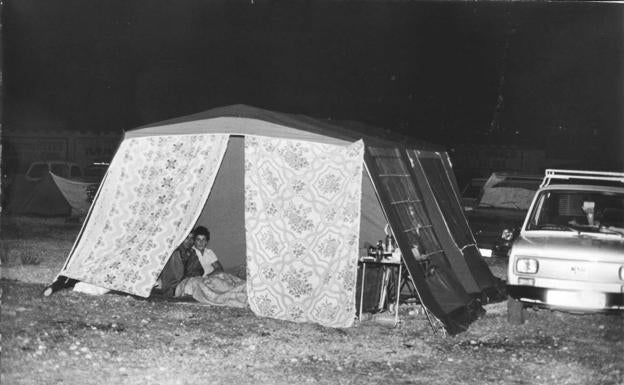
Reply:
x=75, y=171
x=60, y=170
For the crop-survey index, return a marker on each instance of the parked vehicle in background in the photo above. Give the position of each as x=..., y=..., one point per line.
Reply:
x=65, y=169
x=96, y=170
x=95, y=173
x=500, y=210
x=471, y=192
x=570, y=251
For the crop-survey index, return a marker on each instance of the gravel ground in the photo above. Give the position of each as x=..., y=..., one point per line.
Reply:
x=72, y=338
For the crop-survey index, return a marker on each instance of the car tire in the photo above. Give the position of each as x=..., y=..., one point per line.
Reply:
x=515, y=311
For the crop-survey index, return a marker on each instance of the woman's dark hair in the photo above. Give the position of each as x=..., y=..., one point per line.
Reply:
x=201, y=230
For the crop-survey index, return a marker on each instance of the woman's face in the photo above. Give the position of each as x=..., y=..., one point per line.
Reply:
x=201, y=242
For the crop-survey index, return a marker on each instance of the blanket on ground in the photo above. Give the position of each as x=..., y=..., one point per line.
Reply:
x=220, y=289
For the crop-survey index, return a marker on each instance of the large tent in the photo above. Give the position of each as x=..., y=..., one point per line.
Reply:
x=297, y=200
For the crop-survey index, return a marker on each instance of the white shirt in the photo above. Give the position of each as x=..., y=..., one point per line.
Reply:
x=206, y=259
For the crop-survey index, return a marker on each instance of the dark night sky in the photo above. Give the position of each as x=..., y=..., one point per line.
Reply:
x=432, y=69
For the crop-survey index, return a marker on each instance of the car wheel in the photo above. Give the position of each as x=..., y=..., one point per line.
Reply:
x=515, y=311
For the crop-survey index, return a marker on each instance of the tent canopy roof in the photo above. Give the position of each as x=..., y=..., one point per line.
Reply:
x=234, y=120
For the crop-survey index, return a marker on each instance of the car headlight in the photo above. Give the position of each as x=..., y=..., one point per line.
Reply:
x=622, y=273
x=507, y=235
x=527, y=265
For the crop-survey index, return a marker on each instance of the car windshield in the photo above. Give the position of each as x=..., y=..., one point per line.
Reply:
x=95, y=171
x=38, y=170
x=508, y=197
x=580, y=211
x=509, y=192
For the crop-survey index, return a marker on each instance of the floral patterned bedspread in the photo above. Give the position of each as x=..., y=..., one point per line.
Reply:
x=220, y=289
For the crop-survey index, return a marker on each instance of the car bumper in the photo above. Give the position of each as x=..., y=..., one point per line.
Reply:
x=567, y=299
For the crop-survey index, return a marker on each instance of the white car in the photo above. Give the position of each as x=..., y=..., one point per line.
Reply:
x=569, y=254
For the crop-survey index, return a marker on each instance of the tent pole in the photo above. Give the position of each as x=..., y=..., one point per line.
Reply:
x=362, y=291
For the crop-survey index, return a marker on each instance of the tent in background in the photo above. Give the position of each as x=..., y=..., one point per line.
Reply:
x=52, y=196
x=40, y=198
x=77, y=193
x=296, y=199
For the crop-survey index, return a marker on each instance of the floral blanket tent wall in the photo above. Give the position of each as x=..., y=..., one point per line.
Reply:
x=306, y=214
x=302, y=217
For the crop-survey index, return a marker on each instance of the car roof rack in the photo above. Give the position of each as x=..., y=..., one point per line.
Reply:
x=516, y=175
x=605, y=176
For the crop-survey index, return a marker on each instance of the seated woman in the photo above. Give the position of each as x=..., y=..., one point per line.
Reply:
x=206, y=257
x=214, y=286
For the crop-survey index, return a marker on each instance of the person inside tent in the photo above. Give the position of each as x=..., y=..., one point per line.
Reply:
x=184, y=262
x=207, y=258
x=214, y=286
x=191, y=259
